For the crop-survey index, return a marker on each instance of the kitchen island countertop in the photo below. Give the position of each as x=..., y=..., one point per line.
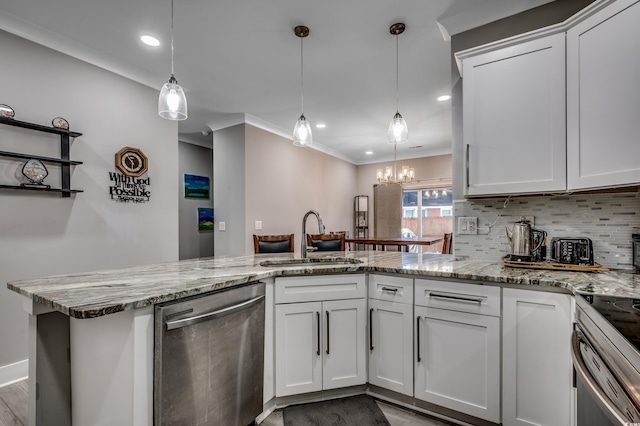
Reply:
x=99, y=293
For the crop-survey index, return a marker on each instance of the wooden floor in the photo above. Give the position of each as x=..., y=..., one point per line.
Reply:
x=13, y=411
x=13, y=404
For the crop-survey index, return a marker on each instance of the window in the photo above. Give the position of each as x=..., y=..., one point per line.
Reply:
x=436, y=212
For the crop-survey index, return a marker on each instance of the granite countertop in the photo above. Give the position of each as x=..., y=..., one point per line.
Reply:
x=98, y=293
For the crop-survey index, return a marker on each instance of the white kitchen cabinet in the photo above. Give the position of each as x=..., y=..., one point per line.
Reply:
x=457, y=362
x=514, y=118
x=391, y=333
x=603, y=64
x=319, y=344
x=537, y=371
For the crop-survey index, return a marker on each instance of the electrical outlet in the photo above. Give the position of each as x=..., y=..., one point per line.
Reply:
x=467, y=225
x=258, y=225
x=222, y=226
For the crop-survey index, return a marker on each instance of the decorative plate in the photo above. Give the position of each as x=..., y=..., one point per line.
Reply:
x=35, y=171
x=6, y=111
x=60, y=123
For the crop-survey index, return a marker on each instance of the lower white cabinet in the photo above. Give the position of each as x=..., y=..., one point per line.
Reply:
x=391, y=333
x=320, y=345
x=457, y=352
x=536, y=358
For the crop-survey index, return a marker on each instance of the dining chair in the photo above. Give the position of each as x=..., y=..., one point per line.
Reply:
x=273, y=243
x=446, y=243
x=327, y=242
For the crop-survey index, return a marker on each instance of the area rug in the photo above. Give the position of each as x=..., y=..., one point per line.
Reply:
x=357, y=410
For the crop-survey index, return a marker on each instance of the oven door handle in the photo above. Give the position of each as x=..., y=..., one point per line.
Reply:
x=601, y=398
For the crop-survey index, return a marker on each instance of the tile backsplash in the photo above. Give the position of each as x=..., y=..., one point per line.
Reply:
x=607, y=219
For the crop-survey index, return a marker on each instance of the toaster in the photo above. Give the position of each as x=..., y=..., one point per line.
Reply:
x=576, y=251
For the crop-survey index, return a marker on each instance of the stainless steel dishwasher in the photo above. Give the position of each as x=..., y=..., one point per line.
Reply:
x=209, y=358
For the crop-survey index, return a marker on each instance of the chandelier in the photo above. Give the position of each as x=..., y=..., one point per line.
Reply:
x=390, y=173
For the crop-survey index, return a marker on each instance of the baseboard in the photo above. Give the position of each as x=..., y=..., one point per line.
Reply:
x=13, y=373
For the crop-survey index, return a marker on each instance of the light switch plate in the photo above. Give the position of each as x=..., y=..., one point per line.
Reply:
x=222, y=226
x=467, y=225
x=258, y=225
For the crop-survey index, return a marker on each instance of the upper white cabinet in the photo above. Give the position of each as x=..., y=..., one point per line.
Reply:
x=603, y=65
x=537, y=372
x=555, y=110
x=514, y=118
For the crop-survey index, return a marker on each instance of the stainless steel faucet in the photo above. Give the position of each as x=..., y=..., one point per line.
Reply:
x=304, y=247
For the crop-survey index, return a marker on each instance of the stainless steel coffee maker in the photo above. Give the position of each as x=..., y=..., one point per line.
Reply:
x=527, y=243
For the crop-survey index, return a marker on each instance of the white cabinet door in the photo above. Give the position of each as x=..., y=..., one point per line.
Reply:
x=298, y=348
x=344, y=340
x=514, y=118
x=458, y=361
x=536, y=360
x=603, y=65
x=391, y=346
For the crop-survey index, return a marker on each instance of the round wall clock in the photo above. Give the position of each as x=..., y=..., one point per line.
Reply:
x=132, y=161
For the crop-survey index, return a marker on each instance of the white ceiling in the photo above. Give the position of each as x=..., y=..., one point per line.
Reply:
x=240, y=60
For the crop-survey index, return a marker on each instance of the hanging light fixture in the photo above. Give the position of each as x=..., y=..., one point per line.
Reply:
x=302, y=130
x=172, y=103
x=390, y=173
x=398, y=131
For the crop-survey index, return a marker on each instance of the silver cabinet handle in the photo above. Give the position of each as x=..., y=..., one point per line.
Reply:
x=171, y=325
x=467, y=164
x=478, y=300
x=390, y=289
x=581, y=369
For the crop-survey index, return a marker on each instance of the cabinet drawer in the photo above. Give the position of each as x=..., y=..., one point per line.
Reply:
x=473, y=298
x=320, y=287
x=393, y=289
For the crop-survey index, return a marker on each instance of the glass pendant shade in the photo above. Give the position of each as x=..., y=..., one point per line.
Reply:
x=302, y=132
x=398, y=131
x=172, y=103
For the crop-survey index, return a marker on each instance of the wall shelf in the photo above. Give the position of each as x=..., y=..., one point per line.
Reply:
x=64, y=161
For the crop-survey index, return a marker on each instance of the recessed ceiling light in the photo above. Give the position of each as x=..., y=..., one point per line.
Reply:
x=320, y=126
x=369, y=153
x=444, y=98
x=150, y=40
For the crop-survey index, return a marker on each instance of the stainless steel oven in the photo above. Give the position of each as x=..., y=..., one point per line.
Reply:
x=606, y=358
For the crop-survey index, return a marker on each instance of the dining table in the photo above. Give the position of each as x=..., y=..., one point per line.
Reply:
x=401, y=242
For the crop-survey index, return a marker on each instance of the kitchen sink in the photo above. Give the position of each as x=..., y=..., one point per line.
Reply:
x=312, y=261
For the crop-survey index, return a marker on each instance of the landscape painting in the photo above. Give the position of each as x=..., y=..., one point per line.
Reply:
x=196, y=186
x=205, y=219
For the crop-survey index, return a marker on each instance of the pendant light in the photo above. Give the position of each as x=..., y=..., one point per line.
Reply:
x=172, y=103
x=302, y=129
x=398, y=131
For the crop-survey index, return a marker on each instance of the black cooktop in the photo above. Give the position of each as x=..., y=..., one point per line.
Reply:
x=621, y=312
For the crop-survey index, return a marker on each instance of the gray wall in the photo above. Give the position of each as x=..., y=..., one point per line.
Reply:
x=44, y=234
x=194, y=160
x=229, y=189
